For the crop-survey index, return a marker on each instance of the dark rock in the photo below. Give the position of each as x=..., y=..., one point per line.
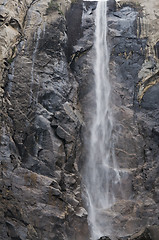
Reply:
x=142, y=235
x=111, y=5
x=104, y=238
x=156, y=47
x=74, y=29
x=67, y=133
x=150, y=99
x=154, y=231
x=149, y=233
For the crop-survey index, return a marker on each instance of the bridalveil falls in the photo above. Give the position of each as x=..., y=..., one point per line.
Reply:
x=102, y=175
x=79, y=120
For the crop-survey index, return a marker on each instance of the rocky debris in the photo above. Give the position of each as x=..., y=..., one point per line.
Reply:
x=142, y=235
x=148, y=233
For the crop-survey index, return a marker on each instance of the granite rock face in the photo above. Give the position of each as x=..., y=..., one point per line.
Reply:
x=134, y=78
x=40, y=126
x=47, y=101
x=148, y=233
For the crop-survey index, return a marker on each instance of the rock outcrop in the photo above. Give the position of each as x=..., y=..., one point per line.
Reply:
x=149, y=233
x=47, y=99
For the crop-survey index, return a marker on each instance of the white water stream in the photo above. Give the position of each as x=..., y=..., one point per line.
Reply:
x=37, y=36
x=102, y=177
x=11, y=77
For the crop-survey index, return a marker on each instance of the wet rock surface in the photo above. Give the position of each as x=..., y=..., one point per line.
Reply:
x=134, y=78
x=47, y=100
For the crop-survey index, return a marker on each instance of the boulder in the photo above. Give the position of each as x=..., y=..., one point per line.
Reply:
x=104, y=238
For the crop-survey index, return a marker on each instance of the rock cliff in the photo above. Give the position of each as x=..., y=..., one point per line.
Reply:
x=47, y=98
x=40, y=125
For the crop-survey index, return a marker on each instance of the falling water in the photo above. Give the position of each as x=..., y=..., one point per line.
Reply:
x=11, y=77
x=37, y=39
x=102, y=175
x=35, y=51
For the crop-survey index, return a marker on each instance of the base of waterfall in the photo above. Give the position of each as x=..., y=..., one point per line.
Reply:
x=147, y=233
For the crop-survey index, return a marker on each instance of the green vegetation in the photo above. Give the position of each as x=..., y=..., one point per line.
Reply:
x=53, y=7
x=10, y=60
x=74, y=1
x=31, y=179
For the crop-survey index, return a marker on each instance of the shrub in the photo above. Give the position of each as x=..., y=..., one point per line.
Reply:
x=53, y=6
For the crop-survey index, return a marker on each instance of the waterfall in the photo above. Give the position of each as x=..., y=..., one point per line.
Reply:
x=35, y=51
x=11, y=77
x=36, y=39
x=102, y=177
